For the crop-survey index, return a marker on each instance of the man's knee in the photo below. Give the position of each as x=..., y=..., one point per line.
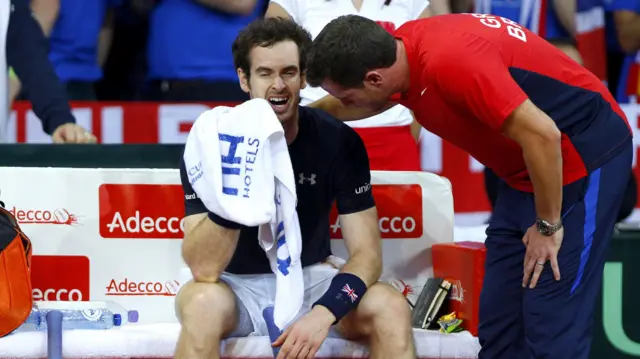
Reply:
x=383, y=300
x=209, y=305
x=382, y=307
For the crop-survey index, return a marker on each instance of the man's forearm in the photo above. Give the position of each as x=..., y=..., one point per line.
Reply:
x=46, y=12
x=27, y=53
x=543, y=158
x=105, y=37
x=335, y=108
x=240, y=7
x=208, y=248
x=566, y=11
x=366, y=264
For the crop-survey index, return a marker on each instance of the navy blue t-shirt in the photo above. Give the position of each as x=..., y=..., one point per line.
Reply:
x=330, y=163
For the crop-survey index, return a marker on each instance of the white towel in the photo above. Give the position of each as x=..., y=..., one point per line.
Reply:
x=238, y=164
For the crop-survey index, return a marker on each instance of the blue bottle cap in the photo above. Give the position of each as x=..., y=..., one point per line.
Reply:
x=117, y=320
x=133, y=316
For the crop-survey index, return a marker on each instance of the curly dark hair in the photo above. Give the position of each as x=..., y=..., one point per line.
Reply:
x=347, y=48
x=268, y=32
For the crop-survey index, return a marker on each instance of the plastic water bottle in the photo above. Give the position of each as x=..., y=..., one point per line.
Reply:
x=79, y=315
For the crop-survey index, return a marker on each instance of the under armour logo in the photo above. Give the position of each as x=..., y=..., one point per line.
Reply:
x=302, y=179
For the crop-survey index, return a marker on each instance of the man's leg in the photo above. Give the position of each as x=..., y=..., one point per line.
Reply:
x=383, y=320
x=207, y=313
x=559, y=315
x=501, y=332
x=208, y=310
x=211, y=312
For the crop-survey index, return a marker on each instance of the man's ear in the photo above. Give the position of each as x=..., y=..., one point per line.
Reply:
x=303, y=80
x=244, y=80
x=373, y=78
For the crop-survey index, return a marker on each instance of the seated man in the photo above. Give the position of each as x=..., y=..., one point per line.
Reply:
x=232, y=279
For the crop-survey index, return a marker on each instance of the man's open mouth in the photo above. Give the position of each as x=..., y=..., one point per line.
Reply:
x=279, y=103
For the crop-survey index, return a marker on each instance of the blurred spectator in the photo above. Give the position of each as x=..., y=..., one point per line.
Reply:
x=590, y=36
x=79, y=34
x=189, y=51
x=390, y=137
x=26, y=53
x=125, y=67
x=629, y=82
x=623, y=40
x=555, y=21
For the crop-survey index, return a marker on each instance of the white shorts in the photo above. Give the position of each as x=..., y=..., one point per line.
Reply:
x=254, y=292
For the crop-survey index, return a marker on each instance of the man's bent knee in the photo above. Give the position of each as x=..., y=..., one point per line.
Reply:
x=202, y=272
x=382, y=309
x=207, y=307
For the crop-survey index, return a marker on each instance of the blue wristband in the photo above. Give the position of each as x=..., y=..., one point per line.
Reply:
x=344, y=293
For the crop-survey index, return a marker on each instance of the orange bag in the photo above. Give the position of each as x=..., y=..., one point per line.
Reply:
x=15, y=275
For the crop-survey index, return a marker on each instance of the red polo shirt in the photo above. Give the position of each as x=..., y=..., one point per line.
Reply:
x=470, y=71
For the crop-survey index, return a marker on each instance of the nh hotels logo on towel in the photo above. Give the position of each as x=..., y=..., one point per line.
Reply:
x=65, y=278
x=399, y=212
x=234, y=166
x=141, y=211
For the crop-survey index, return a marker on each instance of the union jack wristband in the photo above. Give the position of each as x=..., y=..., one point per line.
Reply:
x=343, y=295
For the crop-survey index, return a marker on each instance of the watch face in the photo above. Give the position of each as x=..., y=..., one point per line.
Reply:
x=547, y=229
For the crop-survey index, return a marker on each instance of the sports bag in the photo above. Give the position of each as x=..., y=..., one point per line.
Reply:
x=15, y=276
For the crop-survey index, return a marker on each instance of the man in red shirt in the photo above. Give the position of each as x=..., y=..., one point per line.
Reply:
x=541, y=122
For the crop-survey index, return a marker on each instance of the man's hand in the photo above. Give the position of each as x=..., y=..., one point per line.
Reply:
x=540, y=249
x=303, y=338
x=72, y=133
x=337, y=109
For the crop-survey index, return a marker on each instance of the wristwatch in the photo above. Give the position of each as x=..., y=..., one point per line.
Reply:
x=546, y=228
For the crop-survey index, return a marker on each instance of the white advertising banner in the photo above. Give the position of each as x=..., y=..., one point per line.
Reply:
x=115, y=234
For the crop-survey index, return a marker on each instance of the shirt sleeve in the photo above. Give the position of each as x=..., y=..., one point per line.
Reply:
x=619, y=5
x=192, y=204
x=351, y=176
x=418, y=8
x=474, y=77
x=27, y=53
x=293, y=7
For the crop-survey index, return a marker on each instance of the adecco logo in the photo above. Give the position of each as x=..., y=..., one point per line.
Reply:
x=399, y=212
x=44, y=216
x=141, y=211
x=63, y=278
x=129, y=287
